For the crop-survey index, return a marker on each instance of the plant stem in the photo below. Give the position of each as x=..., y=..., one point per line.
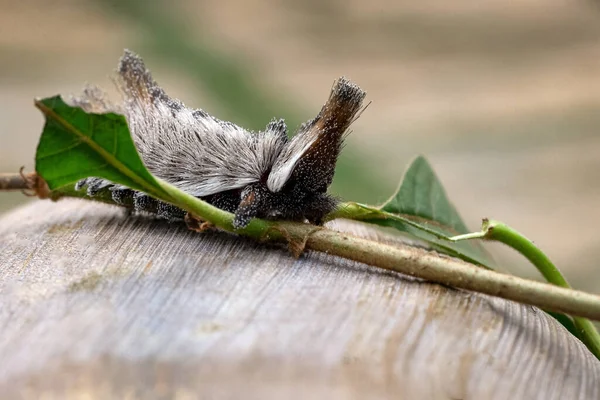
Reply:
x=404, y=259
x=498, y=231
x=429, y=266
x=360, y=212
x=588, y=334
x=434, y=238
x=10, y=182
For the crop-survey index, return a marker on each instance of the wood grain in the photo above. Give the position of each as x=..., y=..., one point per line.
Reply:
x=97, y=305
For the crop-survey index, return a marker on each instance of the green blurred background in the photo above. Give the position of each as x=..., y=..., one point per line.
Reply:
x=503, y=99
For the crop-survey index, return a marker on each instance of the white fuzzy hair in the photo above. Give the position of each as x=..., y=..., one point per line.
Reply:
x=202, y=155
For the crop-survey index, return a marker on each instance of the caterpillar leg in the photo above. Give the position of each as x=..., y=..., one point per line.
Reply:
x=136, y=201
x=93, y=185
x=144, y=203
x=251, y=204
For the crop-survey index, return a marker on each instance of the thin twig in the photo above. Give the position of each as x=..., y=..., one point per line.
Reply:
x=14, y=182
x=408, y=260
x=459, y=274
x=30, y=184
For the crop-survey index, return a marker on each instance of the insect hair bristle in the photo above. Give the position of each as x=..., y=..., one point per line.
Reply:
x=344, y=101
x=135, y=79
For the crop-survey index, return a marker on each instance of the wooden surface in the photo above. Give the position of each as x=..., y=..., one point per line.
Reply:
x=95, y=305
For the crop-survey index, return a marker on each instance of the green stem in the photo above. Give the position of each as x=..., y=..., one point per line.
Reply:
x=500, y=232
x=360, y=212
x=369, y=214
x=256, y=229
x=467, y=236
x=503, y=233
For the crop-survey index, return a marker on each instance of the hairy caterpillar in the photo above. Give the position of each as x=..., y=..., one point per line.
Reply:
x=252, y=174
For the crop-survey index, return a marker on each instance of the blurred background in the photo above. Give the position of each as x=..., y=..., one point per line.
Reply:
x=503, y=98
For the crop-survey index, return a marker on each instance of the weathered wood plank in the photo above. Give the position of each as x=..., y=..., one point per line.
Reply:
x=96, y=305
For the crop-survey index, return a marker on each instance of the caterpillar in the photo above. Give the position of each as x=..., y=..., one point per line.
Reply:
x=251, y=174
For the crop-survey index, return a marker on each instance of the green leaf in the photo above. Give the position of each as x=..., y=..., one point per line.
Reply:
x=421, y=209
x=76, y=145
x=421, y=195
